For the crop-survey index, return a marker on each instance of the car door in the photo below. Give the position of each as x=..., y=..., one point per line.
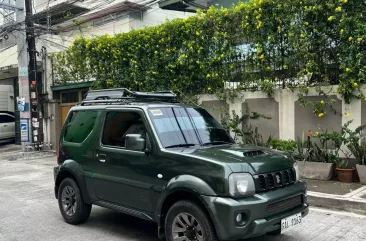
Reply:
x=123, y=176
x=2, y=122
x=9, y=126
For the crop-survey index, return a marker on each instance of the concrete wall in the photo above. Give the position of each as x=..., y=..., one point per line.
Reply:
x=289, y=118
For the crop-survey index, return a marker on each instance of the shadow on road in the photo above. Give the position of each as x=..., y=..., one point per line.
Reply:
x=118, y=224
x=127, y=227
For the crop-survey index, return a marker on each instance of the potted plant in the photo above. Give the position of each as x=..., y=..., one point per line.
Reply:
x=319, y=159
x=314, y=163
x=344, y=172
x=357, y=146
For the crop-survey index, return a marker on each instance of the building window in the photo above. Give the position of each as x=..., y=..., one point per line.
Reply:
x=70, y=97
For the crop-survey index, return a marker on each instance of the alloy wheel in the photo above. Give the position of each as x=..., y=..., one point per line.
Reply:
x=69, y=200
x=186, y=228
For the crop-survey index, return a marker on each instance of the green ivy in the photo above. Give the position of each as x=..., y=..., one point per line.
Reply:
x=287, y=44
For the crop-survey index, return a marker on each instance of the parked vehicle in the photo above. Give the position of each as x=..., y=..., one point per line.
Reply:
x=146, y=155
x=7, y=126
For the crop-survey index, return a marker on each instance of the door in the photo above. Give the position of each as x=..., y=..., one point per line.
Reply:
x=64, y=111
x=123, y=176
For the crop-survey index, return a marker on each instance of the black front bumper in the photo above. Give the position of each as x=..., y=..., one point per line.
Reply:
x=255, y=210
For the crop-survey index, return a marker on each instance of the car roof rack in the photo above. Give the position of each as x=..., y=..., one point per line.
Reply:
x=125, y=96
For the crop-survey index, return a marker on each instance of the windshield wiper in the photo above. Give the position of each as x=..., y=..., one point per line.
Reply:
x=217, y=143
x=180, y=145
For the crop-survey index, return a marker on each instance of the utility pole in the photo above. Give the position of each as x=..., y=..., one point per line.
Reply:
x=27, y=101
x=23, y=100
x=32, y=72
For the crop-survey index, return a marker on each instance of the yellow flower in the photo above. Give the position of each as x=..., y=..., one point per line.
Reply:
x=364, y=98
x=307, y=87
x=209, y=88
x=320, y=114
x=355, y=84
x=330, y=18
x=259, y=24
x=306, y=23
x=197, y=33
x=208, y=76
x=338, y=9
x=359, y=39
x=350, y=39
x=348, y=114
x=269, y=37
x=261, y=57
x=322, y=102
x=342, y=31
x=345, y=1
x=288, y=89
x=317, y=133
x=348, y=70
x=156, y=52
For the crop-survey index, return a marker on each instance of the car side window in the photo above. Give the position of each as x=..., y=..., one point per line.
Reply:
x=79, y=125
x=119, y=124
x=5, y=118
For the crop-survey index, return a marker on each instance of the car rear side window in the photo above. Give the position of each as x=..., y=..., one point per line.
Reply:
x=5, y=118
x=80, y=124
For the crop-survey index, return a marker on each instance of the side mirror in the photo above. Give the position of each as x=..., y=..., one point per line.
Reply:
x=135, y=142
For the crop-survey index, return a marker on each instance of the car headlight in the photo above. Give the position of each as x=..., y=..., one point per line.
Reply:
x=297, y=171
x=241, y=185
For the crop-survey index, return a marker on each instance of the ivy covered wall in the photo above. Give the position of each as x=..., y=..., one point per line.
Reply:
x=260, y=45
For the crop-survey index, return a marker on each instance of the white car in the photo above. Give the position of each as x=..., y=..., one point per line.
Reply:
x=7, y=126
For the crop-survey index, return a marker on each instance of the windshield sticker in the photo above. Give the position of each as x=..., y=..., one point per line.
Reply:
x=156, y=112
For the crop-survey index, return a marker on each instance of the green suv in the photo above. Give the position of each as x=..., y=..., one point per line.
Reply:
x=149, y=156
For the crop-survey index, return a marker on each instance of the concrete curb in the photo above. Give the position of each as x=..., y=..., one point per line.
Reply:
x=351, y=202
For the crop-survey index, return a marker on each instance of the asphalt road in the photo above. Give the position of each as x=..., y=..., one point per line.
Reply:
x=29, y=211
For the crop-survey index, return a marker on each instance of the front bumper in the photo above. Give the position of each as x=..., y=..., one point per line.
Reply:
x=254, y=210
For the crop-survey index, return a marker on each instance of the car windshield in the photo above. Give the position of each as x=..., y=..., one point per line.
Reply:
x=184, y=127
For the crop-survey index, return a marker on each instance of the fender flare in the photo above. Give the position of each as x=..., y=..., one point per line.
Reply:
x=76, y=171
x=186, y=183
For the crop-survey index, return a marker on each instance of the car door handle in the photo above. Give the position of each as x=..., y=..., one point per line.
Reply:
x=5, y=125
x=101, y=157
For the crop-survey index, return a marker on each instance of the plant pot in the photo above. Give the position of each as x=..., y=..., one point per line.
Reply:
x=316, y=170
x=345, y=175
x=361, y=170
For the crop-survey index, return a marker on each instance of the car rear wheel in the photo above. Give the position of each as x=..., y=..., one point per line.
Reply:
x=70, y=201
x=186, y=221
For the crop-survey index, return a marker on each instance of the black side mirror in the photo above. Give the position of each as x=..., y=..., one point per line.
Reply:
x=135, y=142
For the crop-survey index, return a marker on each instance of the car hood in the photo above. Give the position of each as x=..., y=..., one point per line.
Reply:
x=246, y=158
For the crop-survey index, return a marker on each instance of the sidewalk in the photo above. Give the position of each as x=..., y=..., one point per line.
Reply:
x=350, y=197
x=13, y=152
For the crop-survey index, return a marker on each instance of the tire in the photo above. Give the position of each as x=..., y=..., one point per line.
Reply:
x=276, y=232
x=79, y=211
x=178, y=214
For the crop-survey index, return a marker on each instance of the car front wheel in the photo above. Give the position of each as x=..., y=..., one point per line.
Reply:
x=70, y=201
x=186, y=221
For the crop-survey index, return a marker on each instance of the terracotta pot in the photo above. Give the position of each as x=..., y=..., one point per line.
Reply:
x=345, y=175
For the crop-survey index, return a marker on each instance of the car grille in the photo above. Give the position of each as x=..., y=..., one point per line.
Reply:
x=270, y=181
x=283, y=205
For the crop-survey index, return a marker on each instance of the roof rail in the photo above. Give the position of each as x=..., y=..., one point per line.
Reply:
x=124, y=96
